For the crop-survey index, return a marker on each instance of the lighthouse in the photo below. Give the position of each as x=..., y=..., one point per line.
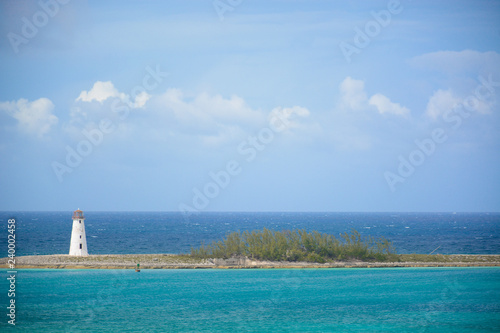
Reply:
x=78, y=245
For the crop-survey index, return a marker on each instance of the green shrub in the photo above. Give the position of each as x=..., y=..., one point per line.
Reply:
x=314, y=257
x=298, y=245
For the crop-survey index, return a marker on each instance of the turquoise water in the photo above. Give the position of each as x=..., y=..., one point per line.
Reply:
x=259, y=300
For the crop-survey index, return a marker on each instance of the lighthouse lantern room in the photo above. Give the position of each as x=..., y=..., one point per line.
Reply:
x=78, y=246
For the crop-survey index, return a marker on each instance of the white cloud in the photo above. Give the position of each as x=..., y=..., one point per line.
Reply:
x=216, y=120
x=384, y=105
x=463, y=74
x=357, y=121
x=207, y=119
x=174, y=115
x=207, y=108
x=141, y=99
x=353, y=95
x=212, y=118
x=101, y=91
x=289, y=116
x=440, y=102
x=444, y=100
x=34, y=118
x=480, y=106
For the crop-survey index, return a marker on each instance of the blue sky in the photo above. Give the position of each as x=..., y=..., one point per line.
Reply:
x=297, y=105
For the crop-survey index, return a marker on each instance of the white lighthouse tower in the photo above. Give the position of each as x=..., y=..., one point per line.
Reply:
x=78, y=245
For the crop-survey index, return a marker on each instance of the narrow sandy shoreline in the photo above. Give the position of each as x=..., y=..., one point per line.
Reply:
x=172, y=261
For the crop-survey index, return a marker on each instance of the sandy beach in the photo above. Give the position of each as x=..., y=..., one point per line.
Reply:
x=172, y=261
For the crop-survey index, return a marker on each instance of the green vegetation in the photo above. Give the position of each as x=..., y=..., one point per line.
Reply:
x=298, y=245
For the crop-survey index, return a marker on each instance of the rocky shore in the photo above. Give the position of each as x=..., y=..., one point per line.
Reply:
x=173, y=261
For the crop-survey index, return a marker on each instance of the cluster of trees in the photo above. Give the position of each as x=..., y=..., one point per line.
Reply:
x=298, y=245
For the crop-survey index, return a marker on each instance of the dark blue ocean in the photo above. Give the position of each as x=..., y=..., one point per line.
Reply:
x=171, y=232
